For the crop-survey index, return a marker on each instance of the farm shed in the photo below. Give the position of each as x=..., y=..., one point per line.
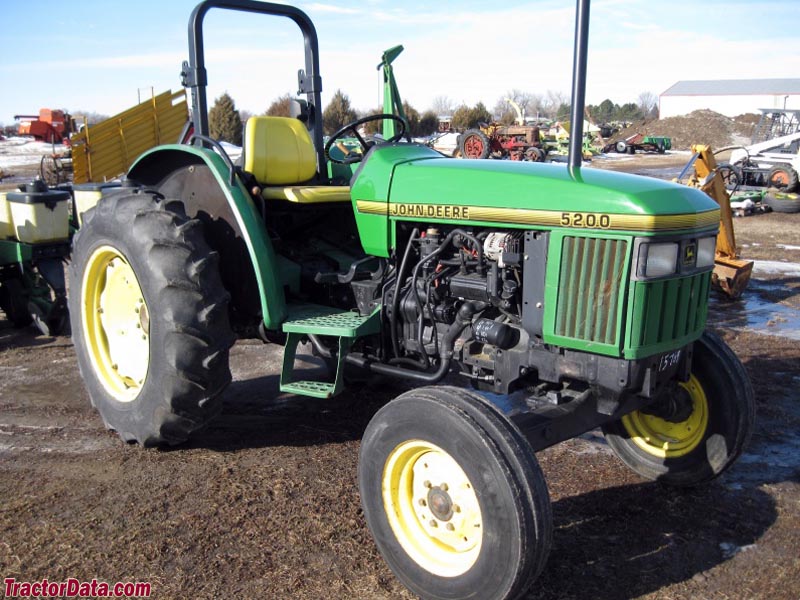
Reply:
x=730, y=97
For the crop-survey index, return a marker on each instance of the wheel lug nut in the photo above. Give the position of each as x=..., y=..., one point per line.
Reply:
x=450, y=527
x=422, y=502
x=444, y=487
x=428, y=484
x=456, y=508
x=433, y=523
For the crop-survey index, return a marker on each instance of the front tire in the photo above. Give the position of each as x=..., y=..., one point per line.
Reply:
x=707, y=438
x=149, y=318
x=454, y=496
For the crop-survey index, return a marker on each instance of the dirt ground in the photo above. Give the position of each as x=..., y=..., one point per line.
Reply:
x=264, y=503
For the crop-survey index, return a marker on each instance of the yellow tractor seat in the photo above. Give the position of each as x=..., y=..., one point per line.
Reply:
x=280, y=154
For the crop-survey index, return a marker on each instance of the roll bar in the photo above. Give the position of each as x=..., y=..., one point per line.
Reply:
x=193, y=73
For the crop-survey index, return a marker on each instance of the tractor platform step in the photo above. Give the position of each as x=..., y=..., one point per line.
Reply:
x=315, y=389
x=323, y=320
x=313, y=319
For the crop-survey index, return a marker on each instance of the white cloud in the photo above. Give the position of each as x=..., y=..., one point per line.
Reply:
x=330, y=8
x=103, y=62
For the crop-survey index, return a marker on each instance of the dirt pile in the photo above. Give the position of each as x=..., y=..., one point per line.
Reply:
x=698, y=127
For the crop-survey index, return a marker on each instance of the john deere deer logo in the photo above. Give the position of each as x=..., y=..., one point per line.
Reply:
x=689, y=252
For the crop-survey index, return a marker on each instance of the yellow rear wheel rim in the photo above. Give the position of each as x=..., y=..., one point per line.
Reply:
x=432, y=508
x=116, y=323
x=665, y=439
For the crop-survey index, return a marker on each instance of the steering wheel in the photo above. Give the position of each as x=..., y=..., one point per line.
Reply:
x=365, y=145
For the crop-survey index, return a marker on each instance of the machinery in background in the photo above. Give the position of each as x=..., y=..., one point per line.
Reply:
x=513, y=142
x=34, y=241
x=731, y=274
x=774, y=163
x=49, y=125
x=641, y=142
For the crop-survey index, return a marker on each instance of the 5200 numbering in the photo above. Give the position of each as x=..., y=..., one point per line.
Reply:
x=588, y=220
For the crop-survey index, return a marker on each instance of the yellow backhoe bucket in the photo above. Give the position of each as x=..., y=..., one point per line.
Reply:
x=731, y=274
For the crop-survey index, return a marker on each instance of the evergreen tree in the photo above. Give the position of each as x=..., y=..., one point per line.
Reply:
x=338, y=113
x=465, y=117
x=224, y=122
x=428, y=123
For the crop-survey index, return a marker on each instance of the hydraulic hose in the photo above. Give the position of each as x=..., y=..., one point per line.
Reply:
x=462, y=320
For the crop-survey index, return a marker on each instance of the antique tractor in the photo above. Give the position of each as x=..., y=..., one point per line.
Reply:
x=512, y=142
x=568, y=298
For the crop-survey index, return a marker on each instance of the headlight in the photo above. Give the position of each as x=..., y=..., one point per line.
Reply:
x=658, y=259
x=706, y=248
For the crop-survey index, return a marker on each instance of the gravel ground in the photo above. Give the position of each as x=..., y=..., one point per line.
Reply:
x=264, y=502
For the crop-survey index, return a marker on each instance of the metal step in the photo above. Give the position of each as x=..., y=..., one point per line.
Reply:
x=315, y=389
x=313, y=319
x=324, y=320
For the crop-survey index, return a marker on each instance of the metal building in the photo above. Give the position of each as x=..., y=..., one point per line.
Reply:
x=730, y=97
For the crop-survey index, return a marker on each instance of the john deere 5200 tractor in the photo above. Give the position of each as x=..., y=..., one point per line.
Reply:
x=569, y=298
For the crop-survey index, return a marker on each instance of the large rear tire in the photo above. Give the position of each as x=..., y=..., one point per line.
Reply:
x=149, y=318
x=473, y=143
x=783, y=203
x=782, y=177
x=454, y=496
x=716, y=419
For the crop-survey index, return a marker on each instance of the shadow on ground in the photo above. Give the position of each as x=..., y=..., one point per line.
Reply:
x=623, y=542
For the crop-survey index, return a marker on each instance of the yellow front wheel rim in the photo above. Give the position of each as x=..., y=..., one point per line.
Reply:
x=432, y=508
x=116, y=323
x=665, y=439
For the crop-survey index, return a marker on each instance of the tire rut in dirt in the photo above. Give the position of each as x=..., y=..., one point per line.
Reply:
x=186, y=318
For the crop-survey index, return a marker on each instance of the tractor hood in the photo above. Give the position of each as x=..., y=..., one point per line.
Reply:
x=416, y=183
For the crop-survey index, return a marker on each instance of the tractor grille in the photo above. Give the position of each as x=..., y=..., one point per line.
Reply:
x=668, y=312
x=589, y=288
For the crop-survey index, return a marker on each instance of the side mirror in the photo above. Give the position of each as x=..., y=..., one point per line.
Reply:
x=298, y=109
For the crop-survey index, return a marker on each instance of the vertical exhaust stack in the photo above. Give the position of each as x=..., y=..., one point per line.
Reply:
x=578, y=83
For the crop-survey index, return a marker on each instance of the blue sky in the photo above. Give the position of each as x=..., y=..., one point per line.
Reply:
x=97, y=55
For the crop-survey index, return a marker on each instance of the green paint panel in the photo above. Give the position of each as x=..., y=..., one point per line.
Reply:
x=373, y=183
x=665, y=315
x=538, y=186
x=14, y=252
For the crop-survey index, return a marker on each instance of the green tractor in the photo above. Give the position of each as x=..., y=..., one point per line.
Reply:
x=566, y=298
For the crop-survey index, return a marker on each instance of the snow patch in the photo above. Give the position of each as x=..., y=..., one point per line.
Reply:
x=18, y=151
x=775, y=267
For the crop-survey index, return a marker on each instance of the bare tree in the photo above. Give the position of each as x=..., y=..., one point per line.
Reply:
x=648, y=104
x=442, y=105
x=525, y=100
x=552, y=102
x=503, y=112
